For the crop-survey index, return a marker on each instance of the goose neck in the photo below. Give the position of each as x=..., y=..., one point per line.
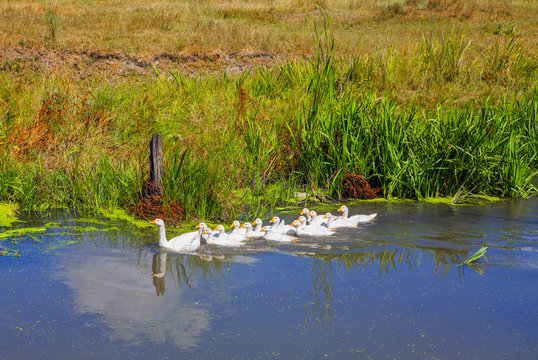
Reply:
x=162, y=236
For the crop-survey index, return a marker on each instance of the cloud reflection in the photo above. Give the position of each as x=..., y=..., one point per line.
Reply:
x=125, y=298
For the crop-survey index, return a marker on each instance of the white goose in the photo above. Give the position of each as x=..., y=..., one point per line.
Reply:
x=221, y=238
x=272, y=235
x=259, y=225
x=238, y=231
x=252, y=233
x=306, y=213
x=188, y=242
x=355, y=219
x=281, y=227
x=315, y=219
x=335, y=222
x=311, y=230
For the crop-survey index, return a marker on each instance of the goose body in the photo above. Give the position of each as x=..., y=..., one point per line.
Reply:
x=253, y=233
x=221, y=238
x=334, y=222
x=188, y=242
x=279, y=226
x=310, y=230
x=315, y=219
x=355, y=219
x=237, y=230
x=272, y=235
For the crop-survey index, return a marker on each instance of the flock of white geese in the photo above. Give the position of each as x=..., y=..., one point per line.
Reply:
x=309, y=223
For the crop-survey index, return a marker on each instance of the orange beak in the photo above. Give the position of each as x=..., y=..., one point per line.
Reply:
x=293, y=240
x=154, y=275
x=197, y=226
x=242, y=226
x=216, y=229
x=272, y=220
x=339, y=209
x=325, y=216
x=254, y=223
x=154, y=222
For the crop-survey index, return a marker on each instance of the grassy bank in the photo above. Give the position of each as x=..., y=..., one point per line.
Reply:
x=433, y=118
x=302, y=125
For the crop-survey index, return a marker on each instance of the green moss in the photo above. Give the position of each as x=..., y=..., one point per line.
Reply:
x=120, y=214
x=469, y=200
x=489, y=198
x=7, y=214
x=439, y=200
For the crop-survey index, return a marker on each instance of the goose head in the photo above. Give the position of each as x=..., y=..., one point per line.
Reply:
x=302, y=220
x=275, y=220
x=157, y=222
x=258, y=222
x=296, y=223
x=343, y=208
x=202, y=226
x=312, y=214
x=247, y=226
x=236, y=224
x=206, y=234
x=305, y=211
x=220, y=229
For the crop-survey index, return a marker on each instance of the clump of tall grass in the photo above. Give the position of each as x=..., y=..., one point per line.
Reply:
x=443, y=58
x=506, y=63
x=51, y=23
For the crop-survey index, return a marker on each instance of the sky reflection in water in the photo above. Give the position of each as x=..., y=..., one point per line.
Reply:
x=391, y=288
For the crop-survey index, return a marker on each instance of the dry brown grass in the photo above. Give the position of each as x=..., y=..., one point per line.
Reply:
x=189, y=28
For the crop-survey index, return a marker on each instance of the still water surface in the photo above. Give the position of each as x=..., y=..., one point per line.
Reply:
x=84, y=289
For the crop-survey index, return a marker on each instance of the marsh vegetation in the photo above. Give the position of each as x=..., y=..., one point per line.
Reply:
x=288, y=98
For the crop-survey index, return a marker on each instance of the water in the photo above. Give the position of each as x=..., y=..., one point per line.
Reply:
x=83, y=289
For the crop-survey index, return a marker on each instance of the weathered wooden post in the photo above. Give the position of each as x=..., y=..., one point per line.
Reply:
x=155, y=167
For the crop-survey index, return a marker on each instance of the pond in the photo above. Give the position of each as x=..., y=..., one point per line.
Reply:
x=83, y=289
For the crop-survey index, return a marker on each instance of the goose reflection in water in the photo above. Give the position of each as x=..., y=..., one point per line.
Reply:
x=159, y=270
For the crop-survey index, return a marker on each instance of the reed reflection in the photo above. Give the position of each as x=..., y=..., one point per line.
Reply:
x=321, y=305
x=324, y=264
x=392, y=259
